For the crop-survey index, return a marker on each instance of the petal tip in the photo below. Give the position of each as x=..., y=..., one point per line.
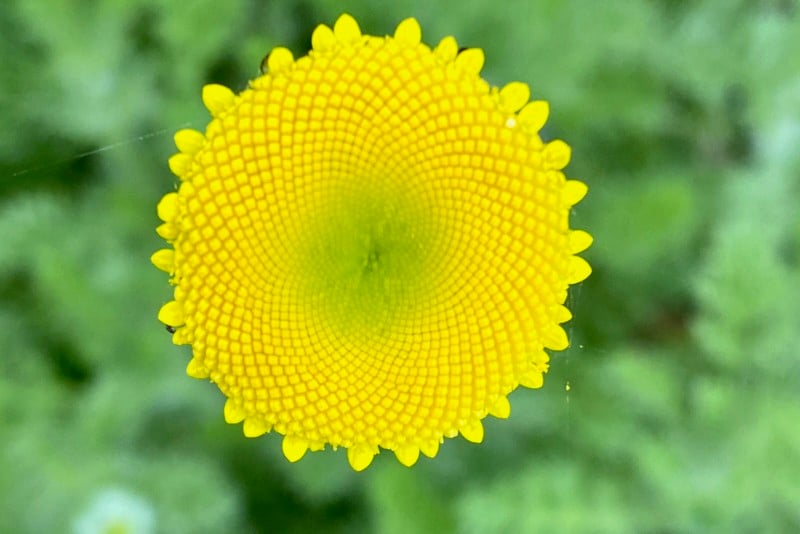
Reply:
x=167, y=208
x=579, y=240
x=254, y=427
x=217, y=98
x=167, y=231
x=501, y=408
x=514, y=96
x=556, y=338
x=189, y=141
x=574, y=191
x=346, y=29
x=472, y=431
x=360, y=456
x=408, y=32
x=561, y=314
x=533, y=115
x=429, y=448
x=179, y=164
x=579, y=270
x=557, y=154
x=471, y=60
x=164, y=260
x=447, y=49
x=233, y=412
x=294, y=447
x=323, y=38
x=196, y=370
x=279, y=59
x=407, y=454
x=171, y=314
x=533, y=378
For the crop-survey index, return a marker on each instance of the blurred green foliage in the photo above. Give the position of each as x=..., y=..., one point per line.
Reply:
x=684, y=399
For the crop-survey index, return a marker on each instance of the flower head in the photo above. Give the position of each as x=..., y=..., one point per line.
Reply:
x=370, y=245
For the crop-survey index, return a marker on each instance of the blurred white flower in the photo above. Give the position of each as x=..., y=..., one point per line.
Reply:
x=115, y=511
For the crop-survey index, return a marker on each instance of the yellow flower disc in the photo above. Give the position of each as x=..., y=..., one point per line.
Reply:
x=371, y=245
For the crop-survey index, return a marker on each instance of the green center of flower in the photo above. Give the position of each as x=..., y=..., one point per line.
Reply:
x=366, y=256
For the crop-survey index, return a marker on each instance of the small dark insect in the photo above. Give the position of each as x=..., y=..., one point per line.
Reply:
x=170, y=329
x=263, y=65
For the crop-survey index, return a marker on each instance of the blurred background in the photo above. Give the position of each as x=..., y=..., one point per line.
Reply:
x=676, y=409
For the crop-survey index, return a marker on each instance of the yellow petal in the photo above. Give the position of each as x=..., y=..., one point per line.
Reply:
x=532, y=378
x=167, y=231
x=171, y=314
x=447, y=49
x=196, y=370
x=279, y=59
x=407, y=454
x=323, y=38
x=579, y=241
x=316, y=445
x=513, y=96
x=561, y=314
x=346, y=30
x=179, y=337
x=534, y=115
x=294, y=447
x=179, y=164
x=408, y=32
x=556, y=154
x=472, y=431
x=167, y=208
x=360, y=456
x=501, y=408
x=233, y=412
x=574, y=191
x=555, y=338
x=470, y=60
x=429, y=448
x=254, y=427
x=164, y=259
x=217, y=98
x=579, y=270
x=189, y=141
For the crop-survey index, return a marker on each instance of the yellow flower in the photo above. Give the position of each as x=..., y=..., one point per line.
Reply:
x=370, y=245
